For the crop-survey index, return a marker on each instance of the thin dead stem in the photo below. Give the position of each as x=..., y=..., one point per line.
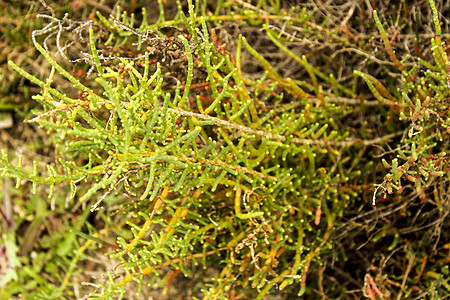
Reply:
x=279, y=137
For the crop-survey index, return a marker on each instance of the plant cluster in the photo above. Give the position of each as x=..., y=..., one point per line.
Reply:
x=423, y=101
x=176, y=155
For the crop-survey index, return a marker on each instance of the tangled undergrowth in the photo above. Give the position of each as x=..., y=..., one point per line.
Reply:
x=232, y=150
